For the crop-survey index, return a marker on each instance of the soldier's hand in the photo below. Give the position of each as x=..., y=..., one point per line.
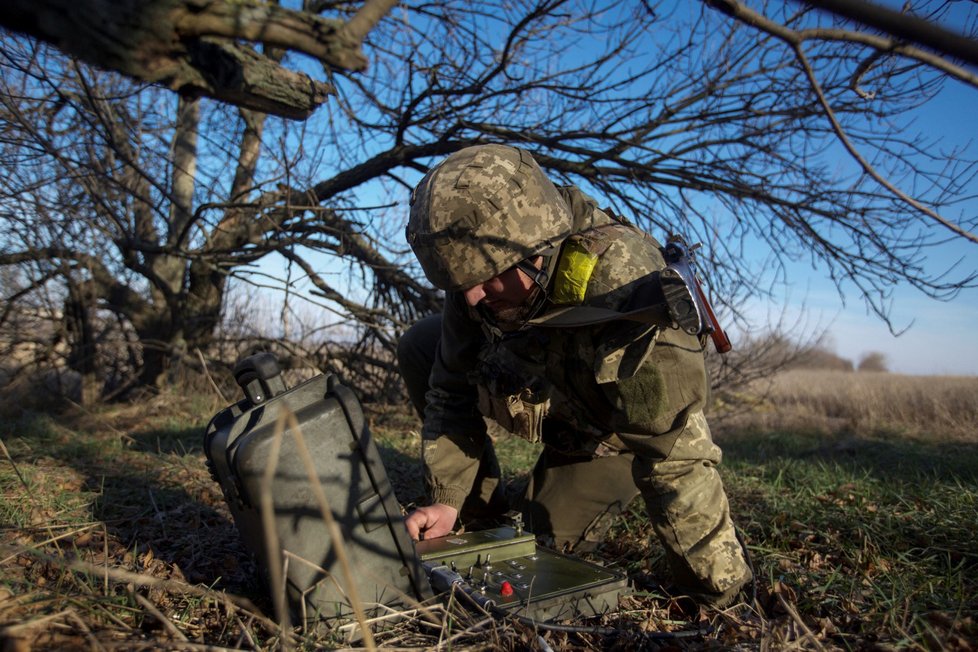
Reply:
x=433, y=521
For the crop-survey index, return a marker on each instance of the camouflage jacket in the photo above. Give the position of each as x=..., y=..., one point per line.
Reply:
x=590, y=383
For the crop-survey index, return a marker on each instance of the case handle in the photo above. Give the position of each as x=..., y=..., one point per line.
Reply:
x=260, y=376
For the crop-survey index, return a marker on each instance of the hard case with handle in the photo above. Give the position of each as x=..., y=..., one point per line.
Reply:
x=254, y=449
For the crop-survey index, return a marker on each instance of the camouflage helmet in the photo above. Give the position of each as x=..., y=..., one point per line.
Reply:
x=480, y=212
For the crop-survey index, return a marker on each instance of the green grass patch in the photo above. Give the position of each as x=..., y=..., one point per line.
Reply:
x=875, y=539
x=866, y=541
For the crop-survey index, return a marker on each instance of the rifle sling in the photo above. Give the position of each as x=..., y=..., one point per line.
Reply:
x=577, y=316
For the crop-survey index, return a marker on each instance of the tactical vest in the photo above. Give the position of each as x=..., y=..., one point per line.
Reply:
x=552, y=384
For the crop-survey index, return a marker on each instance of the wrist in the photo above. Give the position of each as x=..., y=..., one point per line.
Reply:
x=448, y=496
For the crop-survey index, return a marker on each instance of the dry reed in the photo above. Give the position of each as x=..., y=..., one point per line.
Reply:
x=941, y=408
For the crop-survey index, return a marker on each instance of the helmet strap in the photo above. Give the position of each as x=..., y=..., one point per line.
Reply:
x=540, y=275
x=541, y=279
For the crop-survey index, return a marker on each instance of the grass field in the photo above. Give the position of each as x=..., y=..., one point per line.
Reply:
x=857, y=495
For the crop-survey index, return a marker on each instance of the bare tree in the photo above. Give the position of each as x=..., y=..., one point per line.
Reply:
x=112, y=194
x=681, y=118
x=689, y=121
x=873, y=361
x=796, y=39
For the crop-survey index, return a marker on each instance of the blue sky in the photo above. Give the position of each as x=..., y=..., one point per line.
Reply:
x=941, y=340
x=940, y=337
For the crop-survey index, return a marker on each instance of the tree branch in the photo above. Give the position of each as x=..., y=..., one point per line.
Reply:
x=795, y=40
x=904, y=26
x=188, y=45
x=121, y=297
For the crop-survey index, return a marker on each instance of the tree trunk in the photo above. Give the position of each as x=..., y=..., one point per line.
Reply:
x=82, y=348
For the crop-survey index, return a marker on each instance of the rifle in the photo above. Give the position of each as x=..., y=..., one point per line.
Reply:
x=687, y=302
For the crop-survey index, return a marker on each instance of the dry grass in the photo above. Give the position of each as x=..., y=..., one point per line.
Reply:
x=924, y=407
x=856, y=492
x=106, y=520
x=115, y=537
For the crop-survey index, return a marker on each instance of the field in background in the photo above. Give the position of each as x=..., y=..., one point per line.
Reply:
x=931, y=408
x=857, y=494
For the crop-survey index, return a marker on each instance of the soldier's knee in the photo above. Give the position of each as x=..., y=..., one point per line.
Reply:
x=416, y=357
x=416, y=347
x=695, y=442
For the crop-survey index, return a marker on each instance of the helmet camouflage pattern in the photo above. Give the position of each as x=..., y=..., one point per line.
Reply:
x=480, y=211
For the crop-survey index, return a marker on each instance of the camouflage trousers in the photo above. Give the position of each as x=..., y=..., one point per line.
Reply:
x=571, y=500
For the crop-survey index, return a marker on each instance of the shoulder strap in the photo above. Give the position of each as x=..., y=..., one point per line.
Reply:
x=577, y=316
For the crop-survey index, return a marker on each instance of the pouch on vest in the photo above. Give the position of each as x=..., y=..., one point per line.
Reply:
x=513, y=391
x=521, y=414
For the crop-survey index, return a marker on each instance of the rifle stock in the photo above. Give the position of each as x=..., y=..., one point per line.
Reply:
x=719, y=337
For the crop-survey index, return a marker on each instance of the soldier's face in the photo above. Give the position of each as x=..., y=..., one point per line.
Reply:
x=504, y=294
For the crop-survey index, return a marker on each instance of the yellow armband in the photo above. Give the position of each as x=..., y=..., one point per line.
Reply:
x=573, y=273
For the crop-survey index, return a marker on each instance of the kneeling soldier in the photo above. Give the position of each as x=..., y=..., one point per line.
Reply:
x=617, y=403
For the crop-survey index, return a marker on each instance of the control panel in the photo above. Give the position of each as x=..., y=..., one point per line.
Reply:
x=505, y=568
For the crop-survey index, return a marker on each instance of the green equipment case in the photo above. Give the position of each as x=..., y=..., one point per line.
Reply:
x=284, y=456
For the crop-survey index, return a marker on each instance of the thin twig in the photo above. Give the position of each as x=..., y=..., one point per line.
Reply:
x=244, y=631
x=6, y=454
x=868, y=167
x=13, y=630
x=272, y=547
x=801, y=623
x=46, y=542
x=105, y=556
x=207, y=373
x=158, y=615
x=92, y=641
x=339, y=547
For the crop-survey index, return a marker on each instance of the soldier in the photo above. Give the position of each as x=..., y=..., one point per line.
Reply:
x=617, y=404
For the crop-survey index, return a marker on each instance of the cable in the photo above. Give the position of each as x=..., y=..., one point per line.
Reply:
x=445, y=580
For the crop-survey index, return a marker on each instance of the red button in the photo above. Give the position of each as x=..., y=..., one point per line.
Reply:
x=505, y=589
